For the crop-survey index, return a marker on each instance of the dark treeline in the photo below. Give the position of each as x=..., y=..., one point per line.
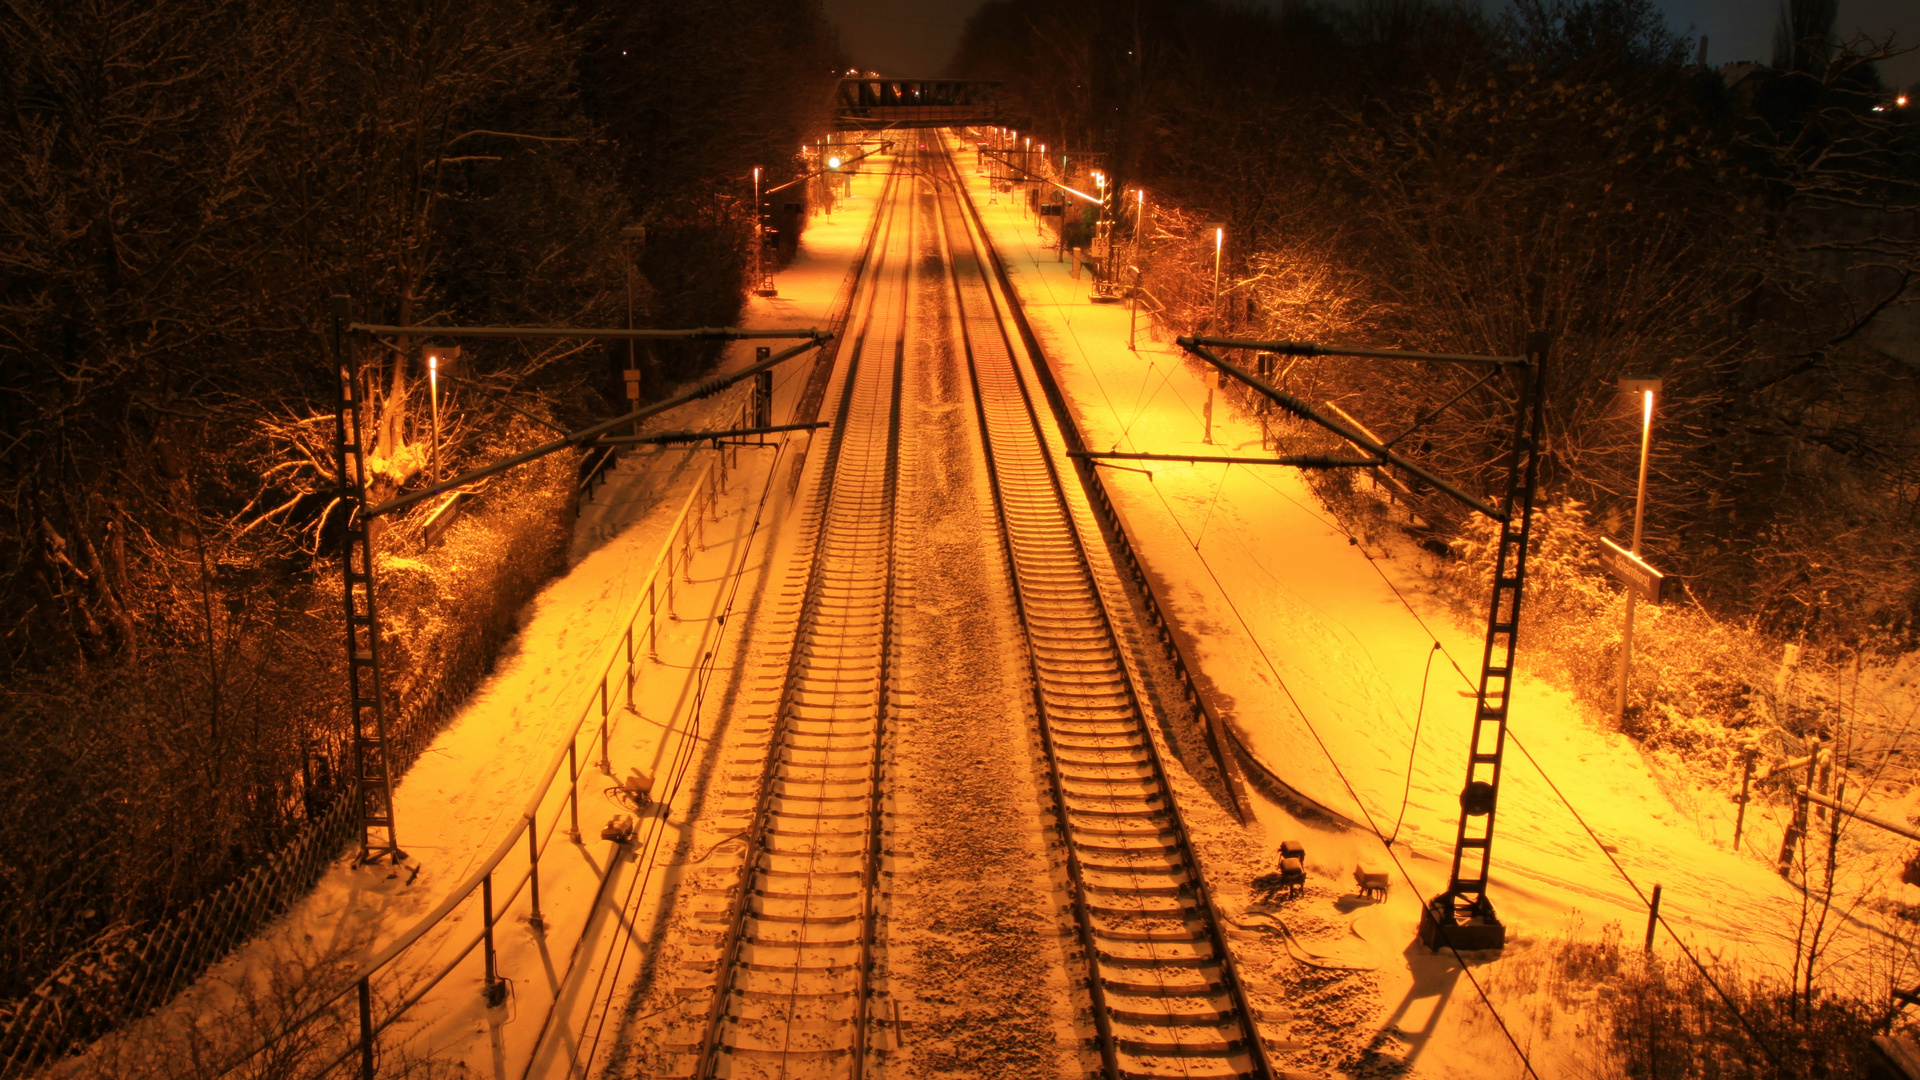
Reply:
x=1425, y=175
x=184, y=186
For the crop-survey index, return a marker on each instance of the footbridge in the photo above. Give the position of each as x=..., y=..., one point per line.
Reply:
x=874, y=104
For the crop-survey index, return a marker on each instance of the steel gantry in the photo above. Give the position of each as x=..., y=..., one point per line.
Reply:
x=1463, y=916
x=373, y=756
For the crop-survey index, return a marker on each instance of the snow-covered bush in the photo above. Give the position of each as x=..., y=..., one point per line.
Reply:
x=1619, y=1012
x=1697, y=685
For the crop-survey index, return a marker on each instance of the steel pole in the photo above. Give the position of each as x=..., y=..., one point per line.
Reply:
x=1639, y=525
x=1219, y=244
x=631, y=377
x=433, y=392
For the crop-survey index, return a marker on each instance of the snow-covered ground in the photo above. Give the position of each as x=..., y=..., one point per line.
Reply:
x=1316, y=649
x=469, y=789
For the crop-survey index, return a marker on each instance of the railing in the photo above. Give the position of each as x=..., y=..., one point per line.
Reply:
x=593, y=471
x=538, y=822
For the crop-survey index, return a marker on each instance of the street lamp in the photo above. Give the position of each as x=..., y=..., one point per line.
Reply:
x=1219, y=245
x=1645, y=388
x=433, y=393
x=631, y=375
x=762, y=284
x=449, y=354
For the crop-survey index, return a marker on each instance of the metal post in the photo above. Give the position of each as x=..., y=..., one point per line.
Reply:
x=1639, y=523
x=1740, y=818
x=1219, y=245
x=629, y=643
x=1139, y=226
x=573, y=795
x=1206, y=419
x=762, y=393
x=669, y=569
x=631, y=376
x=1133, y=309
x=653, y=615
x=762, y=284
x=534, y=919
x=1653, y=916
x=433, y=392
x=493, y=991
x=606, y=760
x=366, y=1029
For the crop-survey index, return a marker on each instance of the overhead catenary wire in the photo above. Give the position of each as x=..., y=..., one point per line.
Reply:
x=1555, y=788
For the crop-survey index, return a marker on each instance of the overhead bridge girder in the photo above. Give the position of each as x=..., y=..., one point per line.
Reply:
x=873, y=104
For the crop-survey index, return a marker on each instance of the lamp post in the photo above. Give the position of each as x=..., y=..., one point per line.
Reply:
x=433, y=394
x=1646, y=388
x=756, y=226
x=1219, y=245
x=1139, y=221
x=632, y=374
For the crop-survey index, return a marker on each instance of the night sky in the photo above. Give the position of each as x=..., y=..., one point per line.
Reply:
x=917, y=39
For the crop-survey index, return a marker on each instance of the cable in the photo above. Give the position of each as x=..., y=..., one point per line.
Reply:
x=684, y=758
x=1406, y=796
x=1702, y=968
x=1355, y=795
x=1215, y=501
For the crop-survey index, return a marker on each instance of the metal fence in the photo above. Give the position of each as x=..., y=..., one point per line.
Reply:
x=131, y=970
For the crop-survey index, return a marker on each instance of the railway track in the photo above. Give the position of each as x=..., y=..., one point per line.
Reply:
x=795, y=965
x=798, y=967
x=1167, y=1001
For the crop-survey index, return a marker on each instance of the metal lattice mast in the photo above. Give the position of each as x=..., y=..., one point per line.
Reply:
x=366, y=703
x=1463, y=916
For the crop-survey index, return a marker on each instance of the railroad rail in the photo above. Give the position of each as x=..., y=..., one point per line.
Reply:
x=794, y=965
x=1167, y=1001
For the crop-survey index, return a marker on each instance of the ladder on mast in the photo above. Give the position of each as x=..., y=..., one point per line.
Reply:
x=366, y=700
x=1463, y=916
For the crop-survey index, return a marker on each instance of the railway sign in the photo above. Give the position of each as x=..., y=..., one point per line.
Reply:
x=1633, y=572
